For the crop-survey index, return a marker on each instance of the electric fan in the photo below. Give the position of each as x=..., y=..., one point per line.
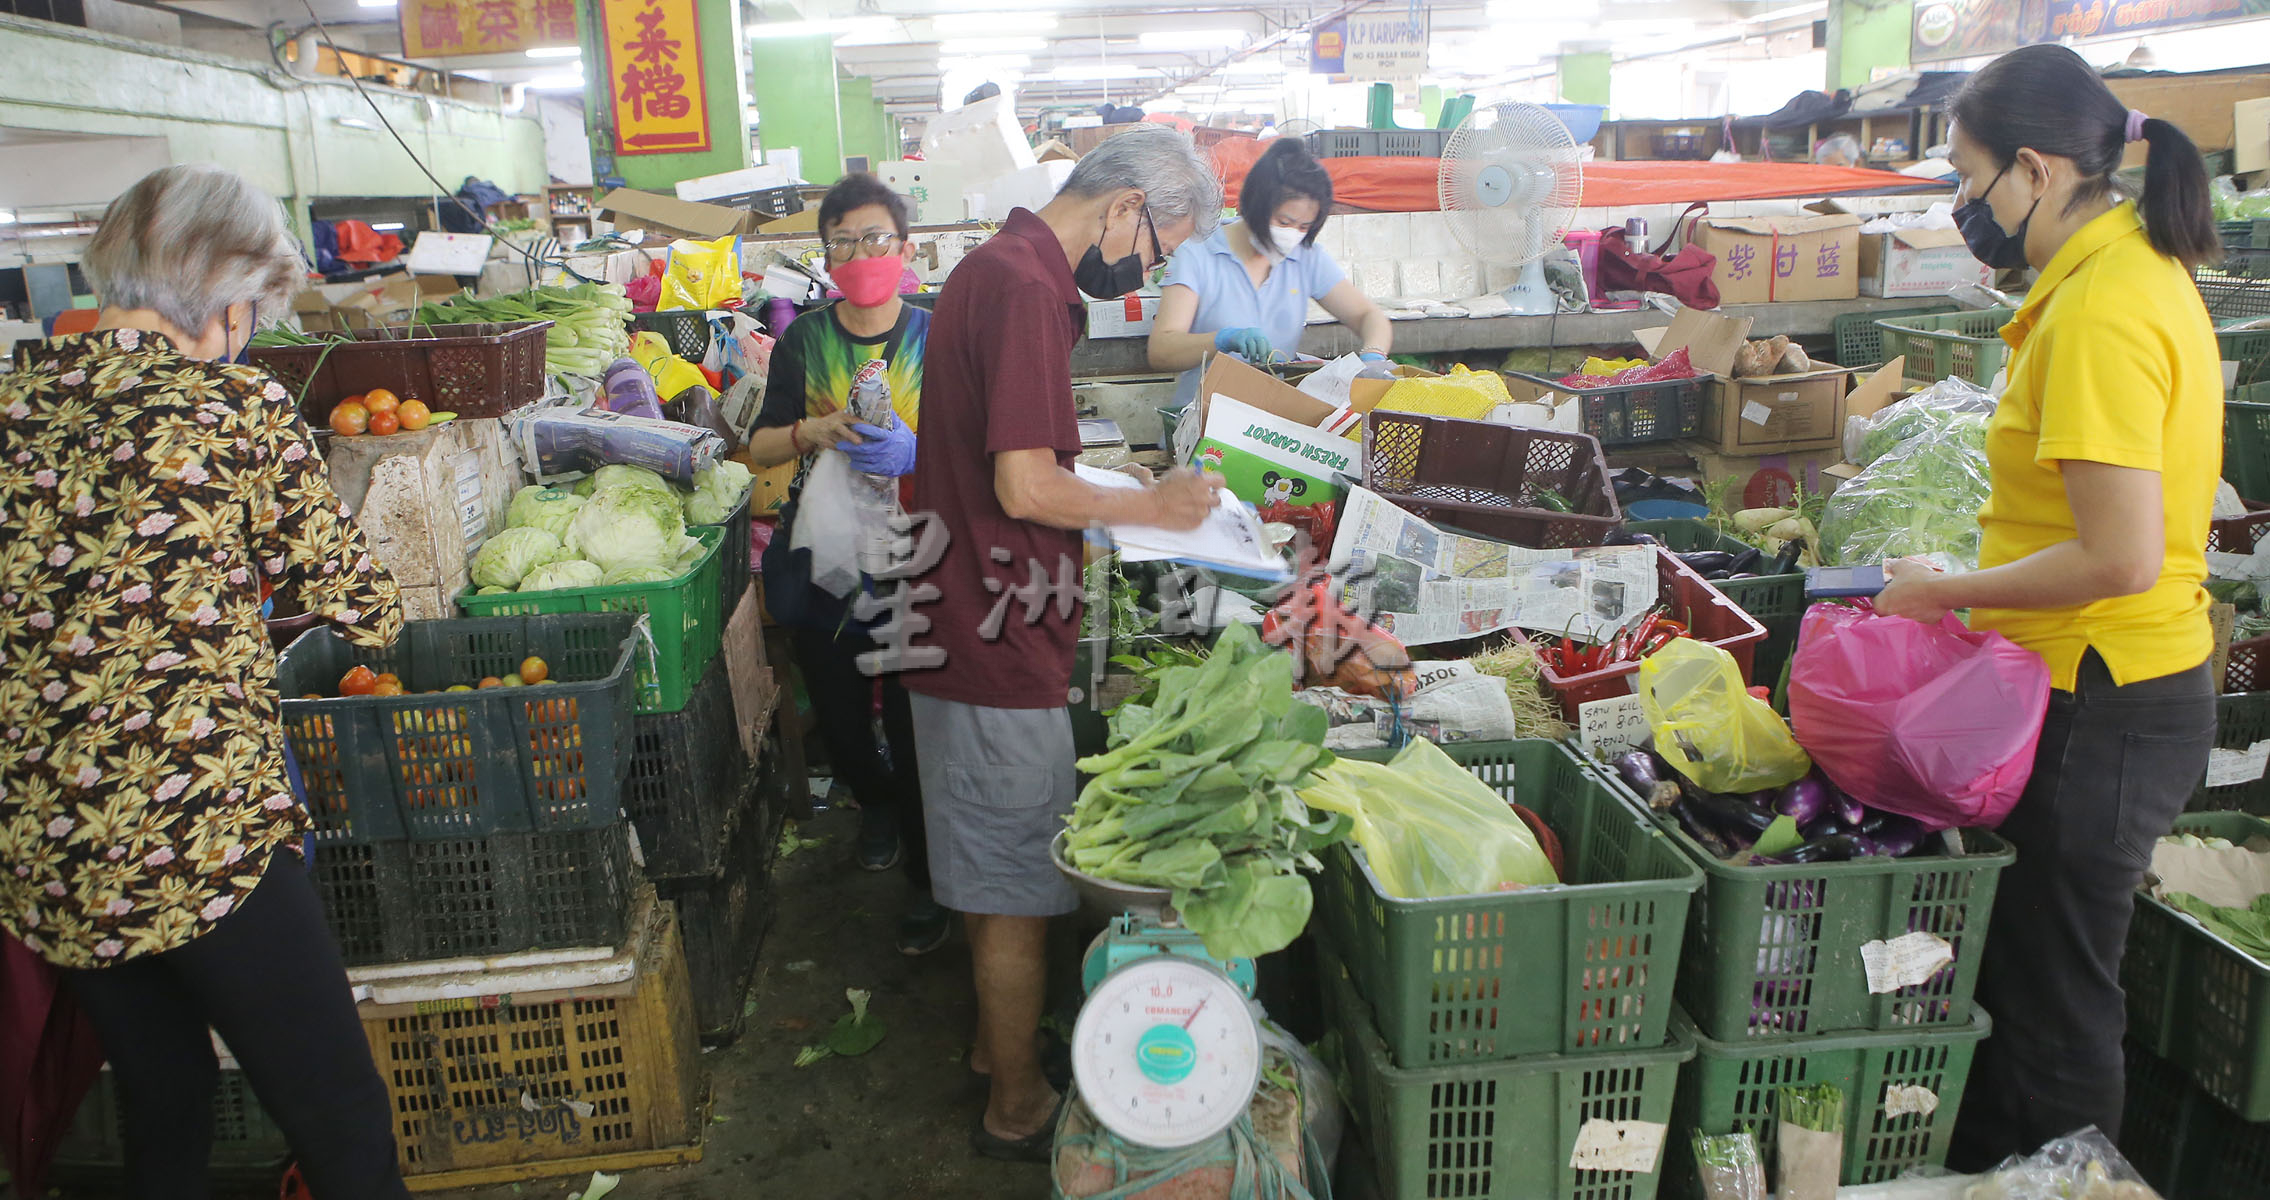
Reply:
x=1510, y=181
x=1296, y=127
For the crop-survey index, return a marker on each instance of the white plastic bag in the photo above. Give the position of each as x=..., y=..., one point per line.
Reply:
x=828, y=523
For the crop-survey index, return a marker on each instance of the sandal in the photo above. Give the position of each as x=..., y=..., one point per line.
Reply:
x=1036, y=1147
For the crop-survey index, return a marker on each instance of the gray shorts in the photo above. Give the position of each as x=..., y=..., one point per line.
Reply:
x=997, y=784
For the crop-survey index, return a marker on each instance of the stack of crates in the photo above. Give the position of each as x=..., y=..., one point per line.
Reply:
x=1485, y=1035
x=1776, y=989
x=704, y=794
x=2199, y=1030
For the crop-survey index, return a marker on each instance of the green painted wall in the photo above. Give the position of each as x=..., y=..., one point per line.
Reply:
x=793, y=84
x=1865, y=35
x=1583, y=78
x=724, y=84
x=862, y=133
x=281, y=131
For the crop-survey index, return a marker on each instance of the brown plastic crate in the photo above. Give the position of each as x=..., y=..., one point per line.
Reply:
x=1486, y=479
x=1703, y=609
x=479, y=370
x=2239, y=535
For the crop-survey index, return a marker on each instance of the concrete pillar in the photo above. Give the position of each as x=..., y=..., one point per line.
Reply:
x=1582, y=75
x=1863, y=36
x=793, y=81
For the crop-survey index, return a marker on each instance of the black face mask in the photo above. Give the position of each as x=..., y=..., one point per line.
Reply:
x=1984, y=235
x=1111, y=280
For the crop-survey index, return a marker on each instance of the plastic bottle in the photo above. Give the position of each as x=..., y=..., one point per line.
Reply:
x=875, y=495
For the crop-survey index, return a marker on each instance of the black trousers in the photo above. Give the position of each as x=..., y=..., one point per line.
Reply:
x=883, y=778
x=2114, y=769
x=268, y=978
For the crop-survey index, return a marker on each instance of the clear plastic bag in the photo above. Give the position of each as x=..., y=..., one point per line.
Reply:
x=2078, y=1166
x=1867, y=438
x=1709, y=727
x=1429, y=828
x=1728, y=1167
x=1934, y=722
x=1919, y=498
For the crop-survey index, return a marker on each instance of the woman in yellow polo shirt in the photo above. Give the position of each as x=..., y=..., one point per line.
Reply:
x=2104, y=455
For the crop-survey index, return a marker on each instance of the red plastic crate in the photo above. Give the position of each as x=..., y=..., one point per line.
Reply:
x=1489, y=480
x=1703, y=609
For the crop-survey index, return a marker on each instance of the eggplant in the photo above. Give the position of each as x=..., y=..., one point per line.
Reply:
x=1805, y=801
x=1730, y=814
x=1746, y=562
x=1715, y=576
x=1848, y=807
x=1637, y=769
x=1820, y=850
x=1700, y=830
x=1703, y=562
x=1786, y=561
x=1826, y=825
x=1898, y=838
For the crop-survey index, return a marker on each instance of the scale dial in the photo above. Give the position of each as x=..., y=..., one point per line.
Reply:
x=1166, y=1052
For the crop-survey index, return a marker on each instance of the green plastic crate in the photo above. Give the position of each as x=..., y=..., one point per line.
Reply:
x=2239, y=235
x=682, y=615
x=2152, y=1115
x=2200, y=1000
x=248, y=1149
x=2241, y=719
x=2250, y=349
x=2184, y=1143
x=1500, y=1130
x=1582, y=969
x=1777, y=601
x=1956, y=345
x=1734, y=1085
x=436, y=765
x=2246, y=446
x=1776, y=950
x=1859, y=342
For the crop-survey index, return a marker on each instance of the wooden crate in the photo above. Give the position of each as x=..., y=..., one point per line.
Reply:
x=488, y=1089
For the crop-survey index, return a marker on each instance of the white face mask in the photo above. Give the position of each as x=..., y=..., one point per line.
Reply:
x=1287, y=241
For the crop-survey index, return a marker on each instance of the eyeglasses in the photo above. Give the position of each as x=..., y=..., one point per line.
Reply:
x=869, y=245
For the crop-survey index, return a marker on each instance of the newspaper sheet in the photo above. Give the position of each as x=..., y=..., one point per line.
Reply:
x=1426, y=585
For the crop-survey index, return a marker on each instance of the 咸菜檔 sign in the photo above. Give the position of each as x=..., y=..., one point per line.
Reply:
x=453, y=28
x=654, y=76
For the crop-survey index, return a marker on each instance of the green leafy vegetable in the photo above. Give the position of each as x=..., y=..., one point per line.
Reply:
x=1199, y=792
x=628, y=527
x=545, y=508
x=1819, y=1108
x=568, y=573
x=1780, y=836
x=717, y=493
x=511, y=554
x=2246, y=928
x=856, y=1032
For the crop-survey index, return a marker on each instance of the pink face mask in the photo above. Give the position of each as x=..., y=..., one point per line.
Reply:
x=868, y=282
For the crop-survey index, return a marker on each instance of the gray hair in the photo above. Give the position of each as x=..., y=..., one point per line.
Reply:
x=187, y=241
x=1164, y=164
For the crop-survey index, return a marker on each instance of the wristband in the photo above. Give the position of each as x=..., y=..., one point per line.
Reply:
x=795, y=441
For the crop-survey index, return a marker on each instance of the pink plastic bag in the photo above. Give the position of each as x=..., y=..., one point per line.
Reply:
x=1937, y=723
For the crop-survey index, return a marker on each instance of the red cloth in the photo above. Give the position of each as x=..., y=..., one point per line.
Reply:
x=1408, y=184
x=997, y=376
x=49, y=1057
x=359, y=243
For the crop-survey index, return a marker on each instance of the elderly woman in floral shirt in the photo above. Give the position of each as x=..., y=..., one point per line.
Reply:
x=149, y=840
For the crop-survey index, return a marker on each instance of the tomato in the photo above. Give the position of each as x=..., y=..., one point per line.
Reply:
x=490, y=681
x=349, y=418
x=380, y=400
x=414, y=415
x=358, y=681
x=534, y=670
x=390, y=677
x=383, y=423
x=386, y=687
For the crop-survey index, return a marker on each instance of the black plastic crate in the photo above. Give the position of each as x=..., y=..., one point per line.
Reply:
x=403, y=901
x=686, y=774
x=724, y=916
x=733, y=557
x=248, y=1151
x=686, y=329
x=2241, y=719
x=1628, y=414
x=2239, y=287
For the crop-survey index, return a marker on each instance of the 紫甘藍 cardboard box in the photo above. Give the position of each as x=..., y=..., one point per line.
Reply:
x=1266, y=438
x=1918, y=262
x=1765, y=414
x=1765, y=259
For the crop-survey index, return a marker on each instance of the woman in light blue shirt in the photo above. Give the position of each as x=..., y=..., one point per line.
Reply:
x=1245, y=290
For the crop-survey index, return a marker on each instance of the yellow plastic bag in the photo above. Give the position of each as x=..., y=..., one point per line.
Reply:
x=1466, y=395
x=702, y=274
x=1429, y=828
x=1709, y=727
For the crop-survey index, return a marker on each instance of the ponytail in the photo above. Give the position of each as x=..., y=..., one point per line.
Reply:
x=2179, y=217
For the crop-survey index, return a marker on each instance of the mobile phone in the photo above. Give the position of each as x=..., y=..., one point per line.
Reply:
x=1843, y=582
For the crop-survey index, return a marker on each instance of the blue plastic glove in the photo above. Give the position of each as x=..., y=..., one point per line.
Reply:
x=887, y=452
x=1247, y=343
x=1372, y=356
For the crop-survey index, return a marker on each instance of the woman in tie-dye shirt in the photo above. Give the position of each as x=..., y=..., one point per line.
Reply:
x=149, y=840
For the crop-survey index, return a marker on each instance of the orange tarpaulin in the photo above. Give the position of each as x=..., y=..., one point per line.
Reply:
x=1408, y=184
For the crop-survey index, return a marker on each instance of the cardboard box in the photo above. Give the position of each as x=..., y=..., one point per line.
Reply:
x=1918, y=262
x=1281, y=434
x=2250, y=136
x=629, y=208
x=1765, y=259
x=1127, y=317
x=1764, y=414
x=1757, y=479
x=2202, y=105
x=368, y=303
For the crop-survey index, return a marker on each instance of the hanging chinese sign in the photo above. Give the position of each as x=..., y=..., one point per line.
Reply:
x=454, y=28
x=654, y=80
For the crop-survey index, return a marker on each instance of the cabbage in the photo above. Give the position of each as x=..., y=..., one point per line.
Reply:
x=545, y=508
x=622, y=575
x=1918, y=498
x=717, y=493
x=627, y=527
x=493, y=590
x=567, y=573
x=615, y=475
x=503, y=560
x=689, y=552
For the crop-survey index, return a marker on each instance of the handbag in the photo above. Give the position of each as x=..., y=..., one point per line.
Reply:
x=1685, y=275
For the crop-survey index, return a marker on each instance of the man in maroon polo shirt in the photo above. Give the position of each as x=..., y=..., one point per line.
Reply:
x=993, y=469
